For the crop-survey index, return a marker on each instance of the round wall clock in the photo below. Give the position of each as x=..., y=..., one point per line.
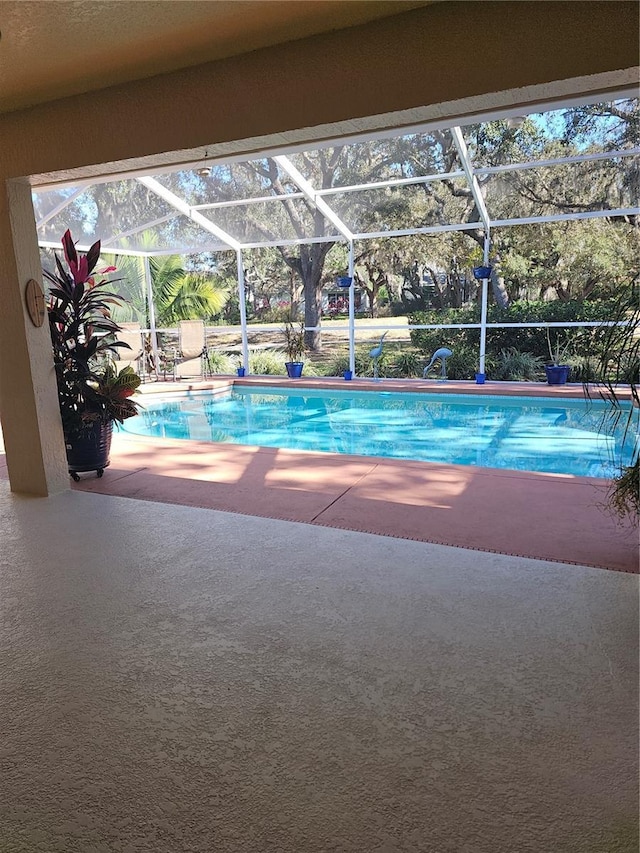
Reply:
x=34, y=298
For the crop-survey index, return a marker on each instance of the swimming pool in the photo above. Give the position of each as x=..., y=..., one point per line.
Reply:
x=522, y=433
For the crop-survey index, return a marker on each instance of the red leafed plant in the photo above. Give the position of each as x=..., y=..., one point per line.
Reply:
x=90, y=388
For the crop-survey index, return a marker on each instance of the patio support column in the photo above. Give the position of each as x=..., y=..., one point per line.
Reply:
x=31, y=422
x=483, y=309
x=243, y=312
x=152, y=312
x=352, y=330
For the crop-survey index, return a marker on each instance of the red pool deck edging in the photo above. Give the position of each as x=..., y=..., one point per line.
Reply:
x=417, y=386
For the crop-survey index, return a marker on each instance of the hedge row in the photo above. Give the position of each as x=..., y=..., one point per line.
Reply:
x=580, y=343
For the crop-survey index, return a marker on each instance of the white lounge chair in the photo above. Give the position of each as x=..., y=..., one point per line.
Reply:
x=130, y=333
x=192, y=349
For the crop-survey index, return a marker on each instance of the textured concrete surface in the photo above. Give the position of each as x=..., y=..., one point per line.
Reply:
x=177, y=679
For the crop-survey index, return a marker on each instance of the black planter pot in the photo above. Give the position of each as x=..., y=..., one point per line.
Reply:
x=294, y=369
x=89, y=451
x=557, y=374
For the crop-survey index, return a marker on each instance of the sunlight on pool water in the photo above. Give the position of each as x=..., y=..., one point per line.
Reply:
x=522, y=433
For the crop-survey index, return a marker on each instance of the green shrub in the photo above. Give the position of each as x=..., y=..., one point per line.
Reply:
x=629, y=368
x=583, y=369
x=624, y=492
x=338, y=365
x=310, y=369
x=582, y=343
x=220, y=362
x=429, y=340
x=267, y=362
x=515, y=366
x=463, y=364
x=408, y=364
x=272, y=363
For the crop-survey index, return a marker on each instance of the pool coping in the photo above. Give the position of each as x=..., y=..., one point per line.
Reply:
x=488, y=388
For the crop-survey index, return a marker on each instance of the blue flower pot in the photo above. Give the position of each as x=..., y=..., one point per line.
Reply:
x=480, y=377
x=557, y=374
x=89, y=450
x=348, y=374
x=294, y=369
x=241, y=371
x=482, y=272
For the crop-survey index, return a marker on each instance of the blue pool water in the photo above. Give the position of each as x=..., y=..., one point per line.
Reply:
x=523, y=433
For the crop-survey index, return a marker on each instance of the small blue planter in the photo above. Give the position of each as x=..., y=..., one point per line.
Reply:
x=557, y=374
x=294, y=369
x=348, y=374
x=482, y=272
x=241, y=371
x=344, y=281
x=480, y=377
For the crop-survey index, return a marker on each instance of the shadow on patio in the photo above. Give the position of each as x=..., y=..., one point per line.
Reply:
x=545, y=516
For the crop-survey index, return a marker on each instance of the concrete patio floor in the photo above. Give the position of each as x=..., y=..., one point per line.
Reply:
x=545, y=516
x=178, y=679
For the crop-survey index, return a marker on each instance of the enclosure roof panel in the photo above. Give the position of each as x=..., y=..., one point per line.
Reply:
x=504, y=172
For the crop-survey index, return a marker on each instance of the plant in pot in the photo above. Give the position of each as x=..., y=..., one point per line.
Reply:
x=294, y=346
x=92, y=394
x=617, y=381
x=557, y=372
x=344, y=280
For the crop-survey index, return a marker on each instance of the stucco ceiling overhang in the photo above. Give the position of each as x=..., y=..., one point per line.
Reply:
x=51, y=50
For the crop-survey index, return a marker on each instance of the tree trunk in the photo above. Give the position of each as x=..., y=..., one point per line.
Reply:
x=313, y=313
x=372, y=293
x=372, y=296
x=309, y=266
x=295, y=292
x=498, y=286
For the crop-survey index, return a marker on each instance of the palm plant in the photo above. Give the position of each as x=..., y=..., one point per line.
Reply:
x=182, y=295
x=178, y=294
x=131, y=288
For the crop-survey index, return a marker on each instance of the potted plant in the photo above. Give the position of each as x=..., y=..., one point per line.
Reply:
x=92, y=394
x=344, y=280
x=557, y=372
x=617, y=371
x=480, y=273
x=294, y=347
x=239, y=367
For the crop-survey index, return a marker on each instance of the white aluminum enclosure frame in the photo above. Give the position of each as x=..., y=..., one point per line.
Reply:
x=321, y=200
